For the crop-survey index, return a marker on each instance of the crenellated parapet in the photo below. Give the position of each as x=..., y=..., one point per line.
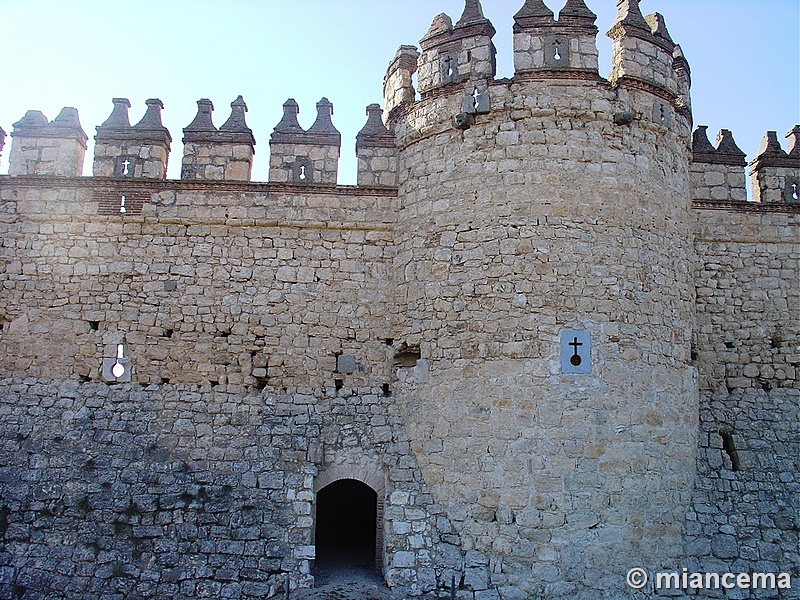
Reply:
x=300, y=156
x=775, y=172
x=142, y=150
x=643, y=51
x=546, y=47
x=224, y=154
x=376, y=151
x=717, y=173
x=42, y=147
x=457, y=54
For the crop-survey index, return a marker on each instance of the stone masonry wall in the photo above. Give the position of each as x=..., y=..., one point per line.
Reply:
x=201, y=282
x=543, y=216
x=235, y=304
x=746, y=507
x=180, y=491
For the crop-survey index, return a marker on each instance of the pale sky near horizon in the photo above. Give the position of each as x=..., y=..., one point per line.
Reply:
x=744, y=54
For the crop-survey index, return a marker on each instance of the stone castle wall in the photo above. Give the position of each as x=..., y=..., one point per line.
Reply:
x=185, y=491
x=747, y=500
x=408, y=332
x=201, y=283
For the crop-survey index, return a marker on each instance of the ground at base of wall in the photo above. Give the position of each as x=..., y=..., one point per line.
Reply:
x=355, y=583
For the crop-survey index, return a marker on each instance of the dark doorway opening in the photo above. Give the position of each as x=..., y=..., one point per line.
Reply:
x=346, y=530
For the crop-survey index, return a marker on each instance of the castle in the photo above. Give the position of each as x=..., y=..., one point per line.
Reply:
x=545, y=339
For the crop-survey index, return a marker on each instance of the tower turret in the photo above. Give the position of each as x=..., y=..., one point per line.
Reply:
x=139, y=151
x=42, y=147
x=301, y=156
x=776, y=173
x=643, y=50
x=460, y=53
x=522, y=243
x=218, y=154
x=544, y=46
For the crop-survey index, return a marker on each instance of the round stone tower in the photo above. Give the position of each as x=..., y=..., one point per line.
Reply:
x=544, y=272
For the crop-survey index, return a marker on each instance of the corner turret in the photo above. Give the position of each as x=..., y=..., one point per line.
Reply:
x=139, y=151
x=301, y=156
x=40, y=147
x=2, y=140
x=224, y=154
x=643, y=50
x=776, y=173
x=543, y=47
x=457, y=54
x=717, y=174
x=376, y=152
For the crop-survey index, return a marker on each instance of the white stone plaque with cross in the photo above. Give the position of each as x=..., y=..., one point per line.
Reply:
x=576, y=351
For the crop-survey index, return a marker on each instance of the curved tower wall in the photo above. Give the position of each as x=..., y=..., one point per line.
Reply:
x=551, y=212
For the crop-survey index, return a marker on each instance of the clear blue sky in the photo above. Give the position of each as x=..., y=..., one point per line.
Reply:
x=744, y=54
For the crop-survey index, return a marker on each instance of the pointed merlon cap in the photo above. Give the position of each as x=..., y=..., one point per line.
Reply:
x=727, y=145
x=473, y=19
x=236, y=125
x=119, y=115
x=473, y=13
x=770, y=146
x=576, y=13
x=629, y=21
x=374, y=134
x=658, y=27
x=440, y=31
x=66, y=125
x=324, y=124
x=32, y=119
x=203, y=121
x=237, y=121
x=117, y=124
x=288, y=123
x=794, y=141
x=152, y=117
x=534, y=13
x=772, y=155
x=700, y=141
x=69, y=120
x=151, y=128
x=629, y=13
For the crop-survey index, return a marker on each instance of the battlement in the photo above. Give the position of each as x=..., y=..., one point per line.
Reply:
x=224, y=154
x=42, y=147
x=718, y=173
x=141, y=151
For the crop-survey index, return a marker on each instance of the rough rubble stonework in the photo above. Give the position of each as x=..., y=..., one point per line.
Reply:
x=185, y=364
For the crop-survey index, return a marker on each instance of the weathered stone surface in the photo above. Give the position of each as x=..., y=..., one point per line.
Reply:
x=285, y=336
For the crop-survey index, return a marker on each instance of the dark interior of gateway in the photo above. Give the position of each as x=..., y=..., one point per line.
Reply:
x=345, y=528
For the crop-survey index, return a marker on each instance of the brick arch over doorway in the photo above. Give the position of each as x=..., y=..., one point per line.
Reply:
x=374, y=478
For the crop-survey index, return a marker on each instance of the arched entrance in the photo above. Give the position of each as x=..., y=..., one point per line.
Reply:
x=346, y=534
